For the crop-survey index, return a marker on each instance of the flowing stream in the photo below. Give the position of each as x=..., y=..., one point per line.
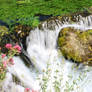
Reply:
x=50, y=72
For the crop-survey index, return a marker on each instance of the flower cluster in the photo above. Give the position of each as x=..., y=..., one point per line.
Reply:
x=14, y=48
x=7, y=59
x=28, y=90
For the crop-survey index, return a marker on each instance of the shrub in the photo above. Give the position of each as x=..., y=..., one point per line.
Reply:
x=7, y=59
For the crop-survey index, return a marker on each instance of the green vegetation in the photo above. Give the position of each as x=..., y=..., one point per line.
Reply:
x=23, y=11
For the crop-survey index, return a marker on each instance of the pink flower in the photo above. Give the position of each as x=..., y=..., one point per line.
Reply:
x=5, y=64
x=3, y=55
x=8, y=46
x=17, y=47
x=34, y=91
x=11, y=61
x=27, y=89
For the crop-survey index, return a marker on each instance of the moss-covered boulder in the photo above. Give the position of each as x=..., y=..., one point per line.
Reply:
x=76, y=45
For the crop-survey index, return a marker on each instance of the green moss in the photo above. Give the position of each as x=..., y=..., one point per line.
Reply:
x=3, y=31
x=76, y=45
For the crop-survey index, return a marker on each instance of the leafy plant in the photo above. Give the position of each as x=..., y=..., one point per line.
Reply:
x=6, y=59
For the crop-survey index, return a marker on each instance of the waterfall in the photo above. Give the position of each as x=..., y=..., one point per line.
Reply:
x=44, y=55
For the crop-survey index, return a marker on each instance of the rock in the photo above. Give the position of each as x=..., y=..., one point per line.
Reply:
x=21, y=32
x=3, y=31
x=55, y=21
x=4, y=38
x=76, y=45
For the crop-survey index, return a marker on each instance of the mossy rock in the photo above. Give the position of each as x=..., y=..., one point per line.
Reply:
x=76, y=44
x=20, y=34
x=54, y=21
x=3, y=31
x=4, y=37
x=21, y=31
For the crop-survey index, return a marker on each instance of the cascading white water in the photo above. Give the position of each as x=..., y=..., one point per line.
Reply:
x=44, y=54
